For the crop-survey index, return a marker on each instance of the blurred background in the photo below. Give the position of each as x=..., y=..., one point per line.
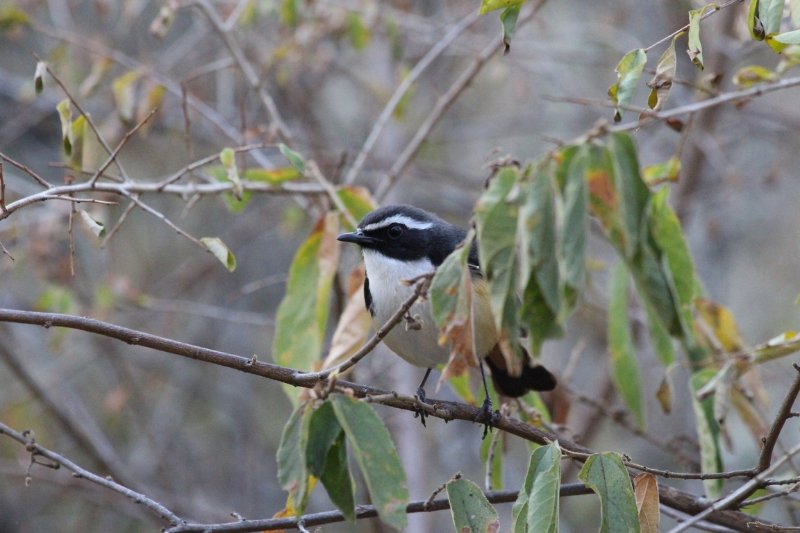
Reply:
x=202, y=439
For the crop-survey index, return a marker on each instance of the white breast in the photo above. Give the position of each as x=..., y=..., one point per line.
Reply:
x=418, y=347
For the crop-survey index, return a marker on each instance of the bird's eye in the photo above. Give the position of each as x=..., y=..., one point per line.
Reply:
x=394, y=231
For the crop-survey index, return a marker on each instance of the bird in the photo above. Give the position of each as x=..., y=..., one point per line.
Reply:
x=402, y=242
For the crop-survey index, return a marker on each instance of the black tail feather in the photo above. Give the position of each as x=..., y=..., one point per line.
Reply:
x=535, y=377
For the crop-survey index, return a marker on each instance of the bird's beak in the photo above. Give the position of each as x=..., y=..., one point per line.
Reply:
x=356, y=237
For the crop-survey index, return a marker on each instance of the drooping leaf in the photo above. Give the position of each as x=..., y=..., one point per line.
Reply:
x=664, y=393
x=536, y=508
x=752, y=75
x=754, y=24
x=374, y=451
x=78, y=137
x=660, y=338
x=290, y=13
x=451, y=306
x=124, y=91
x=605, y=474
x=323, y=430
x=303, y=313
x=97, y=228
x=661, y=82
x=38, y=76
x=625, y=369
x=294, y=159
x=228, y=159
x=100, y=68
x=645, y=489
x=488, y=6
x=575, y=221
x=471, y=511
x=496, y=216
x=708, y=433
x=604, y=201
x=629, y=70
x=326, y=457
x=633, y=192
x=161, y=24
x=221, y=251
x=695, y=49
x=508, y=18
x=65, y=116
x=293, y=475
x=668, y=171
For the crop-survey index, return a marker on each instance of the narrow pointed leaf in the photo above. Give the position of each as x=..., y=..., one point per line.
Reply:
x=575, y=221
x=338, y=481
x=708, y=433
x=605, y=474
x=293, y=474
x=695, y=49
x=471, y=511
x=303, y=312
x=629, y=70
x=374, y=451
x=294, y=158
x=536, y=508
x=754, y=24
x=124, y=91
x=508, y=18
x=633, y=191
x=228, y=159
x=65, y=116
x=272, y=176
x=625, y=370
x=221, y=251
x=38, y=76
x=754, y=74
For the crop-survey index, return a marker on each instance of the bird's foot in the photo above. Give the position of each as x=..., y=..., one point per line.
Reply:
x=419, y=413
x=487, y=416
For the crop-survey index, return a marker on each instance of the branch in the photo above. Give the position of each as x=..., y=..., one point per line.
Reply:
x=437, y=408
x=58, y=460
x=784, y=413
x=362, y=511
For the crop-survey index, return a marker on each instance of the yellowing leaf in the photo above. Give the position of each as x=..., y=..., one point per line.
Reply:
x=228, y=159
x=645, y=488
x=357, y=200
x=303, y=312
x=659, y=173
x=664, y=394
x=358, y=32
x=754, y=24
x=721, y=323
x=65, y=115
x=492, y=5
x=124, y=90
x=99, y=69
x=273, y=176
x=12, y=17
x=661, y=82
x=777, y=347
x=629, y=70
x=220, y=250
x=753, y=74
x=695, y=49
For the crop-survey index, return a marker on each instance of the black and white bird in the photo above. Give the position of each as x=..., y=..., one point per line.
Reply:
x=401, y=242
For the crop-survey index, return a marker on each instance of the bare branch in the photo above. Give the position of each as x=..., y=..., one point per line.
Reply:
x=784, y=413
x=40, y=180
x=113, y=155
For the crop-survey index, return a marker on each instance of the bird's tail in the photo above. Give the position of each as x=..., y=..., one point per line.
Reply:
x=533, y=377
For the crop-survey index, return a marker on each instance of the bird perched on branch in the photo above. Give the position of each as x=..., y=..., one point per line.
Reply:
x=401, y=242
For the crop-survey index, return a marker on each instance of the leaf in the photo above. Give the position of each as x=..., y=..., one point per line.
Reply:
x=97, y=228
x=153, y=100
x=784, y=344
x=695, y=49
x=659, y=337
x=754, y=24
x=291, y=458
x=625, y=370
x=228, y=159
x=789, y=37
x=753, y=74
x=794, y=10
x=645, y=489
x=303, y=313
x=38, y=76
x=12, y=17
x=508, y=18
x=326, y=457
x=575, y=221
x=496, y=220
x=99, y=69
x=471, y=511
x=633, y=192
x=708, y=433
x=358, y=202
x=770, y=13
x=65, y=116
x=352, y=330
x=664, y=393
x=605, y=474
x=289, y=11
x=357, y=31
x=124, y=91
x=629, y=70
x=271, y=176
x=661, y=82
x=294, y=159
x=493, y=466
x=220, y=250
x=492, y=5
x=721, y=324
x=163, y=21
x=451, y=306
x=78, y=133
x=374, y=451
x=536, y=508
x=604, y=201
x=668, y=171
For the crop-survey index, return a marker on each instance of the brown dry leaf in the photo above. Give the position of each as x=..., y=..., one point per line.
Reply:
x=353, y=328
x=459, y=332
x=645, y=488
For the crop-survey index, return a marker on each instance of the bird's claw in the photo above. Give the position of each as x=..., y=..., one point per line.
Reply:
x=487, y=416
x=419, y=413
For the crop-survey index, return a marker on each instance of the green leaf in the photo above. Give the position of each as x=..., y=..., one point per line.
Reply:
x=97, y=228
x=575, y=221
x=337, y=480
x=625, y=370
x=754, y=74
x=471, y=511
x=605, y=474
x=492, y=5
x=770, y=12
x=290, y=13
x=228, y=159
x=496, y=219
x=272, y=176
x=633, y=191
x=78, y=133
x=357, y=31
x=303, y=313
x=357, y=200
x=220, y=250
x=695, y=49
x=659, y=337
x=234, y=205
x=794, y=10
x=754, y=24
x=374, y=451
x=124, y=91
x=508, y=18
x=38, y=76
x=65, y=116
x=291, y=457
x=294, y=159
x=629, y=70
x=536, y=508
x=708, y=433
x=11, y=17
x=324, y=429
x=789, y=37
x=604, y=200
x=661, y=82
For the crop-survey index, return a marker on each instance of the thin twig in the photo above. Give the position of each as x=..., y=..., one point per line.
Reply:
x=194, y=165
x=163, y=218
x=686, y=27
x=121, y=220
x=40, y=180
x=36, y=449
x=113, y=155
x=314, y=170
x=6, y=252
x=2, y=190
x=784, y=413
x=401, y=90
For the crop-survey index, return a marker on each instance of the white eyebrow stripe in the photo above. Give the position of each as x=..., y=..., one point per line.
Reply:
x=407, y=221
